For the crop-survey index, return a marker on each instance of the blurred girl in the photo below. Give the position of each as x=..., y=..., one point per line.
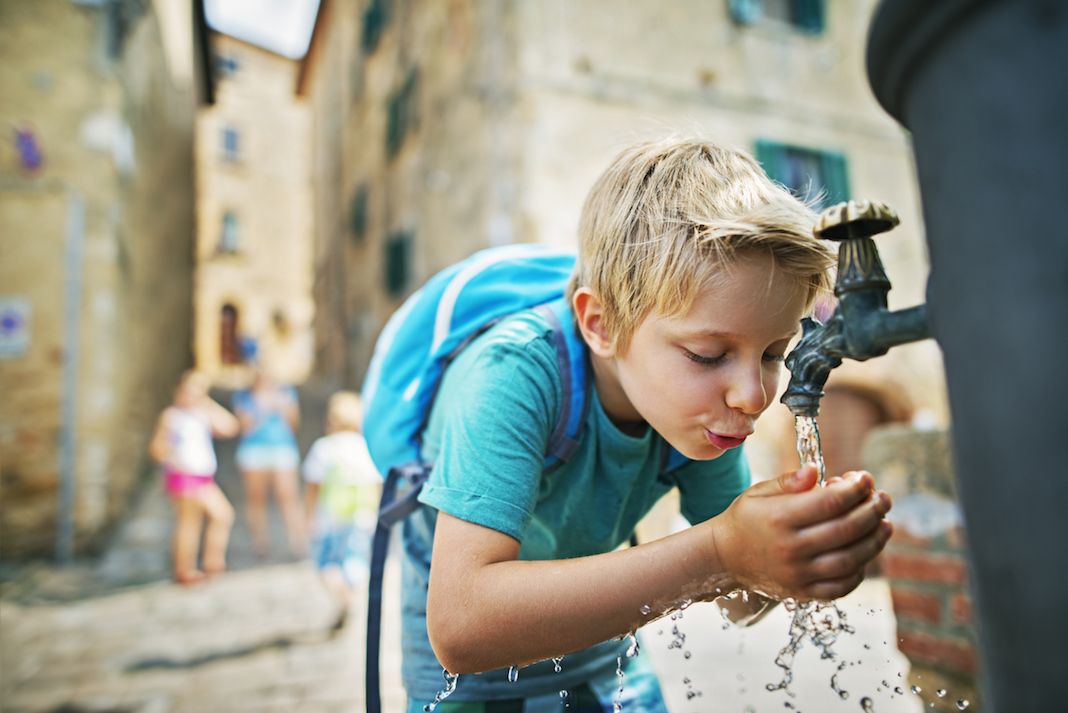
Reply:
x=182, y=444
x=268, y=458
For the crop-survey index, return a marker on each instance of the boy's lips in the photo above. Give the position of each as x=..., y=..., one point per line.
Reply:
x=724, y=442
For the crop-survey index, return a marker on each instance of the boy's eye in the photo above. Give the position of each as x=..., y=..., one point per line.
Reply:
x=768, y=356
x=710, y=361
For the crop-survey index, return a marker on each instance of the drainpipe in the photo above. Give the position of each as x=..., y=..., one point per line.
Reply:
x=73, y=261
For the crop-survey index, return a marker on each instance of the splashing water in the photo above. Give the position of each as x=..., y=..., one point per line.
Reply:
x=808, y=443
x=634, y=647
x=867, y=704
x=513, y=674
x=450, y=686
x=820, y=623
x=962, y=703
x=556, y=663
x=916, y=690
x=941, y=692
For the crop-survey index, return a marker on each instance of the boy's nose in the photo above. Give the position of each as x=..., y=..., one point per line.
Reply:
x=746, y=392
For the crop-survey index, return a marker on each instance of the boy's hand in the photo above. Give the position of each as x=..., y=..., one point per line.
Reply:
x=789, y=538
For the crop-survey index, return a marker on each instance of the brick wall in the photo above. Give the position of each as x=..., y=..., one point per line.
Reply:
x=926, y=565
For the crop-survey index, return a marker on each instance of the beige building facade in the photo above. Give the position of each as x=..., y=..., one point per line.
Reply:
x=96, y=248
x=446, y=127
x=254, y=231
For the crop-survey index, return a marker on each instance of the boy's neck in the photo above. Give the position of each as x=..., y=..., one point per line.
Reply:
x=614, y=401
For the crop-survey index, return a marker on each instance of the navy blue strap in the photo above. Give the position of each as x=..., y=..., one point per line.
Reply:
x=574, y=391
x=390, y=511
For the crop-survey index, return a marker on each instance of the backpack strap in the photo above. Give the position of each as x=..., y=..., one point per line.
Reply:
x=573, y=361
x=391, y=511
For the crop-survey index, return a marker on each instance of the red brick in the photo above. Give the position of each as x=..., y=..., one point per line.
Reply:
x=940, y=652
x=902, y=536
x=914, y=604
x=961, y=606
x=924, y=567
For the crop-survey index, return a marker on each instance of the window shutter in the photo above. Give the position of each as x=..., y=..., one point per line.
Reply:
x=745, y=12
x=808, y=15
x=770, y=154
x=835, y=177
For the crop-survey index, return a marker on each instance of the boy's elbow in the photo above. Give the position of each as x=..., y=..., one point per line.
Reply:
x=454, y=643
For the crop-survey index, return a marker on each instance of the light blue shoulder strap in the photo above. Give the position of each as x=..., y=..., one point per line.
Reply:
x=575, y=395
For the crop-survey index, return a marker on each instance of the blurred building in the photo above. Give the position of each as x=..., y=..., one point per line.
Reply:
x=254, y=232
x=446, y=126
x=98, y=100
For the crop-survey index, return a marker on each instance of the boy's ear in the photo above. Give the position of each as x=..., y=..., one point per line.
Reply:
x=589, y=314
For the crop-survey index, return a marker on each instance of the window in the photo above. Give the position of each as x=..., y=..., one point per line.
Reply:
x=358, y=214
x=230, y=144
x=398, y=257
x=375, y=19
x=806, y=15
x=230, y=237
x=227, y=65
x=816, y=177
x=229, y=346
x=402, y=114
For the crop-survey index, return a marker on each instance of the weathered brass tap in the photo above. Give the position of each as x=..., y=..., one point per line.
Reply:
x=861, y=327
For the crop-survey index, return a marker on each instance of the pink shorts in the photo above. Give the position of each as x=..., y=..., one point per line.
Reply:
x=184, y=485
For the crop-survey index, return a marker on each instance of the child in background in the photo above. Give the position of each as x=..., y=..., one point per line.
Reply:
x=341, y=495
x=182, y=444
x=268, y=458
x=694, y=271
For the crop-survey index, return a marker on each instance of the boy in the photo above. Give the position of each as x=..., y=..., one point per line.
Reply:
x=694, y=271
x=341, y=498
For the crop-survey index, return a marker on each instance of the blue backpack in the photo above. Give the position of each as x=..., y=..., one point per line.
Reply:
x=417, y=344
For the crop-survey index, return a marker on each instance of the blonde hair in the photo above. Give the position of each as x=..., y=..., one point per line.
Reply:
x=669, y=216
x=344, y=412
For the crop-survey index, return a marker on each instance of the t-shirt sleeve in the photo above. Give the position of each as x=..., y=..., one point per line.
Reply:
x=488, y=432
x=707, y=488
x=316, y=462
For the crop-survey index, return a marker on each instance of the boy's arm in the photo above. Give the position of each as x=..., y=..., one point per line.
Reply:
x=487, y=610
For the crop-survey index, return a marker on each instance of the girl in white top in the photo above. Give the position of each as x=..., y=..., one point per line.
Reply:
x=182, y=444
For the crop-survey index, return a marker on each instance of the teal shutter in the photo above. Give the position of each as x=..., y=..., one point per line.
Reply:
x=835, y=177
x=808, y=15
x=770, y=154
x=398, y=262
x=745, y=12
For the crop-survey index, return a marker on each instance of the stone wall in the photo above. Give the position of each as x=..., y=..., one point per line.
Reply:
x=97, y=240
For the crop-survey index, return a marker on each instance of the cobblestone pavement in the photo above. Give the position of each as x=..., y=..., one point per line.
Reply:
x=115, y=636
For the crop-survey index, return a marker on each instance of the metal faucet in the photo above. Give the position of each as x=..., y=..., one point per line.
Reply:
x=861, y=327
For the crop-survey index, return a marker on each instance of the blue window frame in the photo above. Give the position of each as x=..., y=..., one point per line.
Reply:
x=820, y=178
x=230, y=237
x=231, y=143
x=805, y=15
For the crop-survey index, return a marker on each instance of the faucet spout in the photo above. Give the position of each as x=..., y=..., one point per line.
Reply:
x=861, y=327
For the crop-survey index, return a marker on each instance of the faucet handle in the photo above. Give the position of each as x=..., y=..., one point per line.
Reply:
x=855, y=219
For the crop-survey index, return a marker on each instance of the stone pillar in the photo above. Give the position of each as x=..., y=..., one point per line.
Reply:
x=926, y=563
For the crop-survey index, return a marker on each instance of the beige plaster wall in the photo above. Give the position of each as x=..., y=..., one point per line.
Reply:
x=268, y=187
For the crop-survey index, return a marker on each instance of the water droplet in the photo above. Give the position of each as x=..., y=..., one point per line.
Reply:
x=885, y=684
x=513, y=674
x=563, y=696
x=556, y=663
x=941, y=693
x=617, y=707
x=685, y=603
x=686, y=654
x=690, y=695
x=686, y=680
x=745, y=595
x=962, y=703
x=867, y=705
x=646, y=609
x=898, y=691
x=867, y=646
x=674, y=616
x=916, y=690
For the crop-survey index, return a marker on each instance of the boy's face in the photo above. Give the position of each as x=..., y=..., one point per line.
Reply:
x=702, y=377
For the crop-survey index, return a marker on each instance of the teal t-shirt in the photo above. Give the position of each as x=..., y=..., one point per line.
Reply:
x=487, y=437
